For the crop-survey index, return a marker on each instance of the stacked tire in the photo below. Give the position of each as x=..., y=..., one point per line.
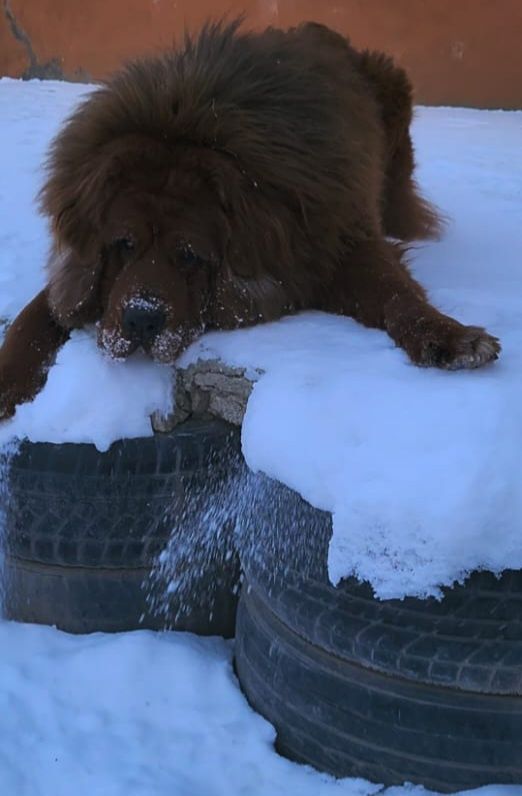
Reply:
x=424, y=691
x=84, y=532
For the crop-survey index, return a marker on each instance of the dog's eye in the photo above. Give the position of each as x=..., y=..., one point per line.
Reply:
x=124, y=246
x=186, y=256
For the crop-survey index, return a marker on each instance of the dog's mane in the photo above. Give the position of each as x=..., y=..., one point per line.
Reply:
x=221, y=90
x=254, y=98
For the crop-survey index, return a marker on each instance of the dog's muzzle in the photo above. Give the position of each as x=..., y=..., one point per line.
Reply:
x=142, y=321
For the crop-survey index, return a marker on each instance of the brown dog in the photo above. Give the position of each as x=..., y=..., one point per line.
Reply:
x=238, y=178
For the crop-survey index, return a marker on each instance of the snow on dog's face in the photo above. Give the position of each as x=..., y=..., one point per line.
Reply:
x=144, y=256
x=162, y=251
x=155, y=245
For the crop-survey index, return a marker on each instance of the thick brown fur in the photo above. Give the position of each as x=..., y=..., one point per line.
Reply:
x=236, y=178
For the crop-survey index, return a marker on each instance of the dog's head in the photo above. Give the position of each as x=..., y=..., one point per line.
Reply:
x=156, y=244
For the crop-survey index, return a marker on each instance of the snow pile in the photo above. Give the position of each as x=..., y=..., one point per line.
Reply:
x=420, y=468
x=91, y=398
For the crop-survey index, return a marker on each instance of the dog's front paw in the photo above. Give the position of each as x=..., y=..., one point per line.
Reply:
x=432, y=339
x=7, y=408
x=471, y=347
x=19, y=383
x=450, y=345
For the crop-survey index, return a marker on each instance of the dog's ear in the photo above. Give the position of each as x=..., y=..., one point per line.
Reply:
x=73, y=287
x=74, y=198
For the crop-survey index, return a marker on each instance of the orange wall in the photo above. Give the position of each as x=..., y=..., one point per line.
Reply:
x=458, y=52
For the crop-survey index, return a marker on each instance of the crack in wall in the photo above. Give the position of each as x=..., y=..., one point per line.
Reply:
x=49, y=70
x=20, y=34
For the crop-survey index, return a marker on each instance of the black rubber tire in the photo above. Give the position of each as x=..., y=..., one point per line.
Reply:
x=83, y=530
x=424, y=691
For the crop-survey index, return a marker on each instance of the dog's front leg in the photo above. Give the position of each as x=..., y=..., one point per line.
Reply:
x=28, y=350
x=376, y=288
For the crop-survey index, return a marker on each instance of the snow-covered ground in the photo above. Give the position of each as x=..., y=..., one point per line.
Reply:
x=142, y=714
x=420, y=469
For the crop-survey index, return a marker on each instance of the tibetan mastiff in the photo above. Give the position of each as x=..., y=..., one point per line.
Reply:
x=237, y=178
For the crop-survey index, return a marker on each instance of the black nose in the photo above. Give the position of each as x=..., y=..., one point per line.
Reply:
x=142, y=322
